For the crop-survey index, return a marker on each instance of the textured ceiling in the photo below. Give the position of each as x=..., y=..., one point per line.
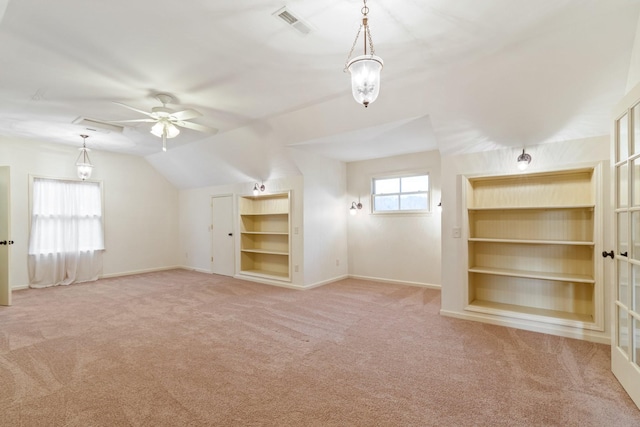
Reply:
x=459, y=76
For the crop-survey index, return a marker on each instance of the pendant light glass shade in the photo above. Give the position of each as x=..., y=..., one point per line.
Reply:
x=83, y=163
x=365, y=78
x=365, y=69
x=84, y=170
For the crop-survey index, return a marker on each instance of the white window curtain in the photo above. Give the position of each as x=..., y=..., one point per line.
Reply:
x=67, y=240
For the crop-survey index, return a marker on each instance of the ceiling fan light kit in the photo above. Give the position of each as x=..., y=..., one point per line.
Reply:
x=365, y=69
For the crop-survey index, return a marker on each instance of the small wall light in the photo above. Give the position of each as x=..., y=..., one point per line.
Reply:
x=257, y=190
x=355, y=207
x=523, y=160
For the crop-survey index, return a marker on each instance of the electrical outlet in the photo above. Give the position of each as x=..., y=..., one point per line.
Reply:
x=186, y=255
x=296, y=268
x=457, y=232
x=337, y=263
x=295, y=230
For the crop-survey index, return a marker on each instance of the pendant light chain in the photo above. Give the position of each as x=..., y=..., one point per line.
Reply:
x=367, y=36
x=368, y=32
x=353, y=46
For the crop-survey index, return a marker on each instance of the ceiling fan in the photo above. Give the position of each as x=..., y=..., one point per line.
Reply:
x=167, y=121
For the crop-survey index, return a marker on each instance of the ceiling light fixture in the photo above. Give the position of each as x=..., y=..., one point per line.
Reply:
x=165, y=129
x=523, y=160
x=257, y=190
x=365, y=69
x=83, y=163
x=355, y=207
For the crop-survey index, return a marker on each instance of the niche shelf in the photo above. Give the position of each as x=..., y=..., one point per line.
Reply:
x=532, y=241
x=264, y=236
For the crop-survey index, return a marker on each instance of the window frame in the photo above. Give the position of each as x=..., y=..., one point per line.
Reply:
x=400, y=175
x=95, y=181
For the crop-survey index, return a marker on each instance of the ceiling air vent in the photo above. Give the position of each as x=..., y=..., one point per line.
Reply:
x=97, y=125
x=292, y=20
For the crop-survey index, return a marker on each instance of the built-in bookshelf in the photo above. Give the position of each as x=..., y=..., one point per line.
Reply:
x=532, y=241
x=265, y=236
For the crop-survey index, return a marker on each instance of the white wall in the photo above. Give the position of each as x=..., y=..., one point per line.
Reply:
x=318, y=213
x=399, y=248
x=141, y=213
x=195, y=220
x=325, y=218
x=558, y=155
x=633, y=78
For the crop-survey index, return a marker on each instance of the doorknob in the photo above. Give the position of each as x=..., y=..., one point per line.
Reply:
x=606, y=254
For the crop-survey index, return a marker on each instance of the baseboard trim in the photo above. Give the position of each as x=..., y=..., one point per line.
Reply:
x=146, y=270
x=326, y=282
x=396, y=282
x=265, y=281
x=199, y=270
x=19, y=288
x=561, y=331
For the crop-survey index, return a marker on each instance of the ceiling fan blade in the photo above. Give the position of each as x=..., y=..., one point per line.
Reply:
x=186, y=114
x=195, y=126
x=134, y=109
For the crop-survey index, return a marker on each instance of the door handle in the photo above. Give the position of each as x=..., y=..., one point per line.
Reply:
x=606, y=254
x=5, y=242
x=230, y=234
x=623, y=253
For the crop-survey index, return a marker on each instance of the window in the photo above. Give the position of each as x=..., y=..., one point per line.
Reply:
x=401, y=194
x=66, y=217
x=67, y=239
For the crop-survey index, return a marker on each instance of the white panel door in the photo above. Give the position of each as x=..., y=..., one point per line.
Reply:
x=625, y=342
x=222, y=240
x=5, y=242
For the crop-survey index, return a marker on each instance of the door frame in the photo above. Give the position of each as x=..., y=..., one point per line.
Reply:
x=232, y=198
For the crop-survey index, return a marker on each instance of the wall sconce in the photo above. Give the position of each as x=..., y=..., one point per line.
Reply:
x=257, y=190
x=83, y=164
x=523, y=160
x=355, y=207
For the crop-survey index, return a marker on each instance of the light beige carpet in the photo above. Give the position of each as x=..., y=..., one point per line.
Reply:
x=181, y=348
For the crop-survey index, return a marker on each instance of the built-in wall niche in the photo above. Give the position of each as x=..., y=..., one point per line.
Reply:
x=265, y=239
x=532, y=245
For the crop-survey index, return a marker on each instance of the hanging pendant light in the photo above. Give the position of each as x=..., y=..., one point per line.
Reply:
x=365, y=69
x=83, y=163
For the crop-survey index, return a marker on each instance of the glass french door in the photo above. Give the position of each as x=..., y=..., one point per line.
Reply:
x=5, y=242
x=625, y=345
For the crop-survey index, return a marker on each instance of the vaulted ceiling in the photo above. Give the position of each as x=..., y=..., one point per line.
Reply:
x=459, y=76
